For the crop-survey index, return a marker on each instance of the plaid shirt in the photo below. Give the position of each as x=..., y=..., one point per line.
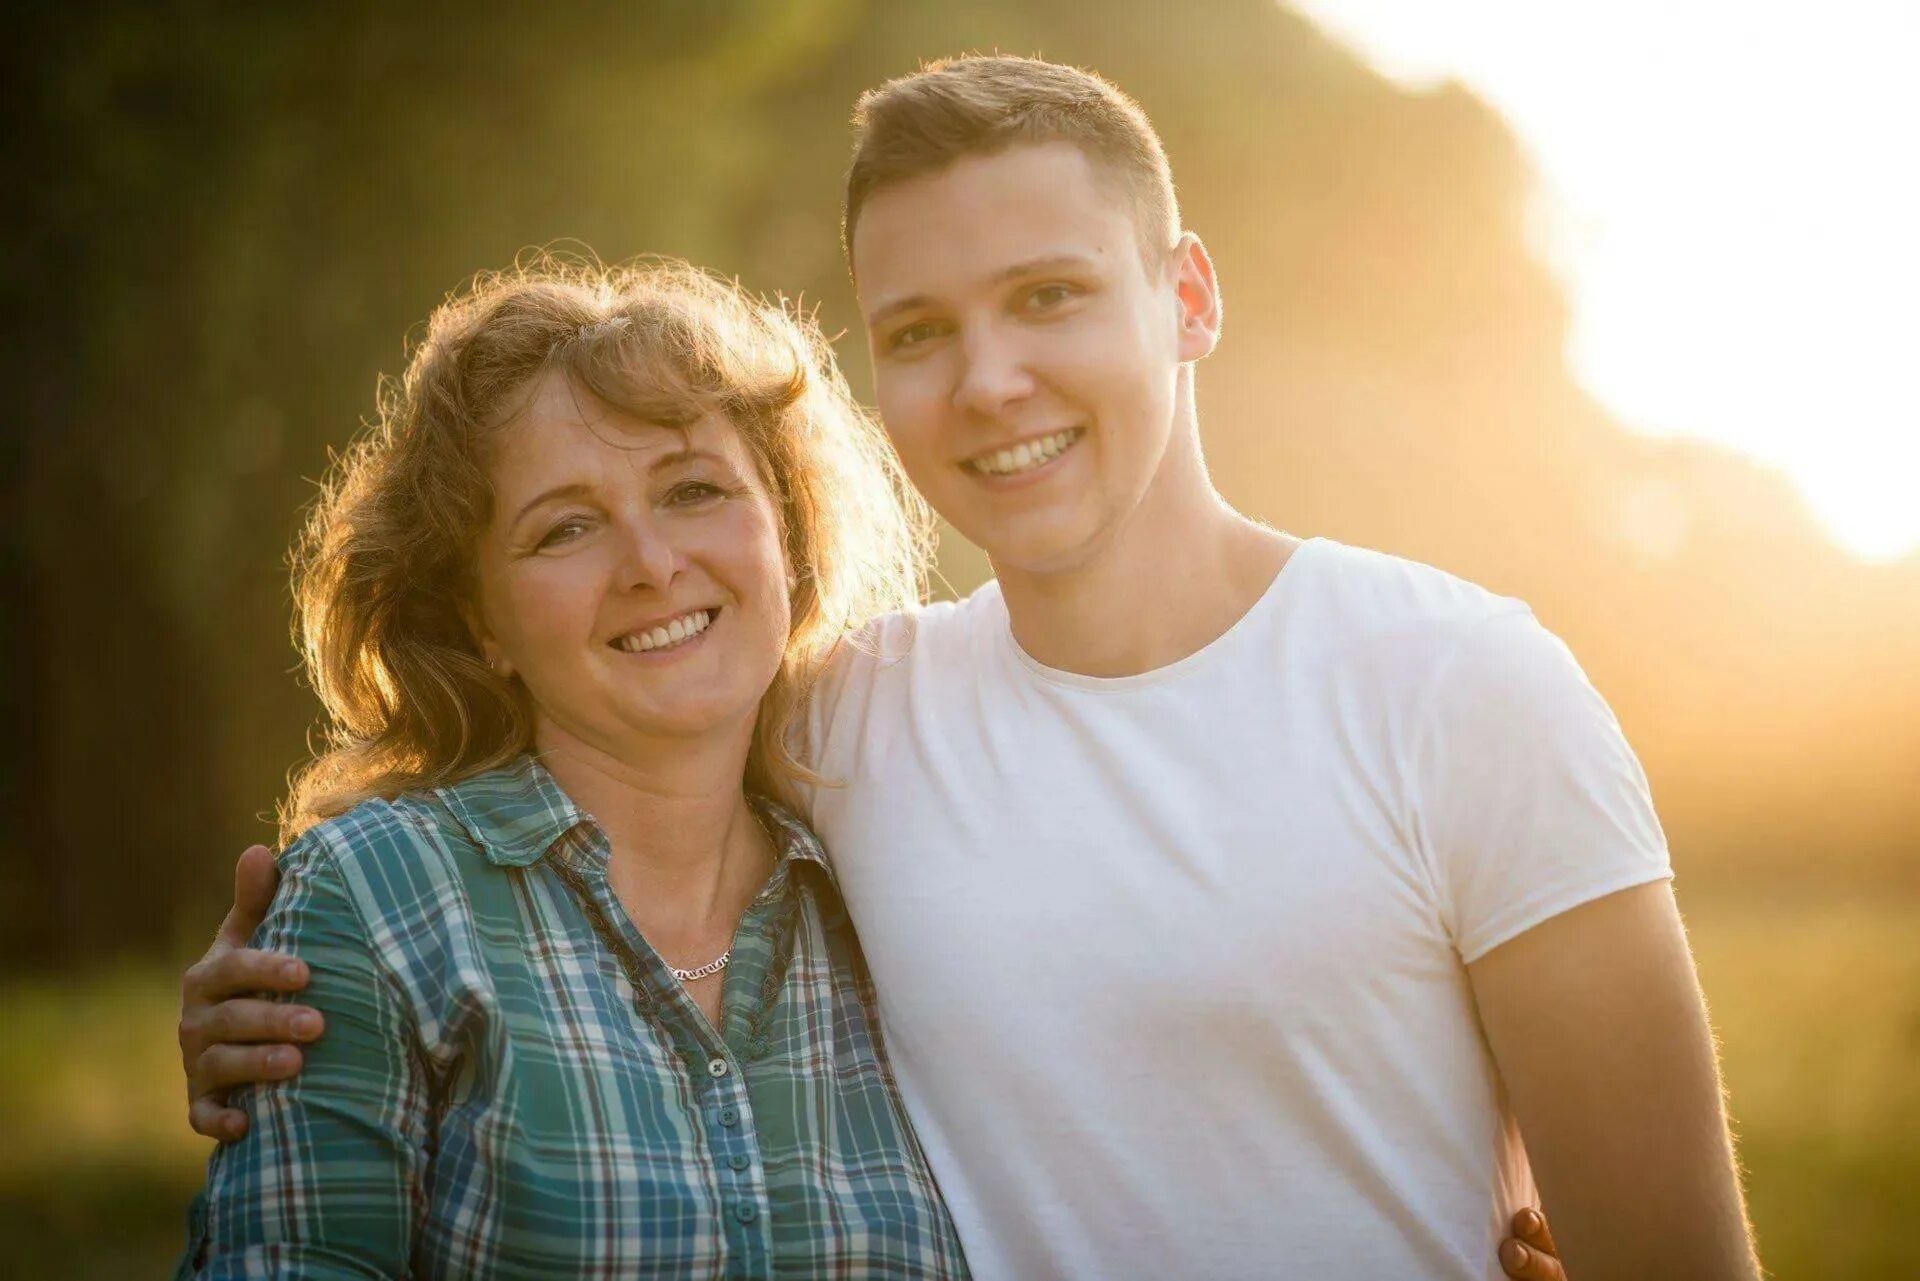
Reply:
x=512, y=1084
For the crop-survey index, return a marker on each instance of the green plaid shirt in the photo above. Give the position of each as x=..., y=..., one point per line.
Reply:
x=512, y=1084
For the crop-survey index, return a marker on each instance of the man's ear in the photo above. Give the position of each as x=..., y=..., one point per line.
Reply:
x=1197, y=291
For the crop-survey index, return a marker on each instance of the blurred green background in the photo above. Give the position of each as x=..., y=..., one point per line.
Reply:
x=225, y=221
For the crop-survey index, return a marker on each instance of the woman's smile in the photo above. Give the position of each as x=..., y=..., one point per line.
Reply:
x=668, y=639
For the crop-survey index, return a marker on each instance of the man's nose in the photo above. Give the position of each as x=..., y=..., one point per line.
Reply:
x=993, y=372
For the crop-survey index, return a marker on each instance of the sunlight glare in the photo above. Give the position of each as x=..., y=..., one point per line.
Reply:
x=1727, y=196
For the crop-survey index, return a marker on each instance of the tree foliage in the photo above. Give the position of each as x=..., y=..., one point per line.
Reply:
x=228, y=218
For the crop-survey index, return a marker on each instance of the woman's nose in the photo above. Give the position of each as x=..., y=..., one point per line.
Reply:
x=652, y=557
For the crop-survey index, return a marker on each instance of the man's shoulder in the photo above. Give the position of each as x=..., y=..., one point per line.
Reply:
x=933, y=632
x=1373, y=595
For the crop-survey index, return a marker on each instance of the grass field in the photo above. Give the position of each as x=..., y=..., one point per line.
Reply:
x=1817, y=1007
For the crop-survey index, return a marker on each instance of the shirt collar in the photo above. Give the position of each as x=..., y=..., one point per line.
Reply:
x=517, y=813
x=795, y=845
x=514, y=813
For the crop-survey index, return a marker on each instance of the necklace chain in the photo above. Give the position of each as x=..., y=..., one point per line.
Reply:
x=715, y=966
x=701, y=971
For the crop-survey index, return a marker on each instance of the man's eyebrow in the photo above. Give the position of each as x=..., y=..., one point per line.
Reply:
x=911, y=303
x=1029, y=267
x=1041, y=265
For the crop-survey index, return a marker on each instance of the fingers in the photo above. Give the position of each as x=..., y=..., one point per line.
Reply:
x=250, y=1022
x=1530, y=1225
x=209, y=1117
x=1525, y=1263
x=254, y=878
x=224, y=973
x=242, y=1022
x=224, y=1066
x=1529, y=1254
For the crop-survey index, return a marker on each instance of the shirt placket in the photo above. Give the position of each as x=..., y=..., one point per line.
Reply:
x=714, y=1073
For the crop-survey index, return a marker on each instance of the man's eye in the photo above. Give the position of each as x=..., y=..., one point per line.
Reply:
x=1048, y=296
x=913, y=335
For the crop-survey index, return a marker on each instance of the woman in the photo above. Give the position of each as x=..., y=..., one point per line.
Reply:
x=592, y=1003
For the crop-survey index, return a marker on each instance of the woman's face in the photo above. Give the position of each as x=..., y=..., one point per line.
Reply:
x=632, y=576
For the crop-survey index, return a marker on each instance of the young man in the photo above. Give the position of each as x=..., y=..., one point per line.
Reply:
x=1230, y=898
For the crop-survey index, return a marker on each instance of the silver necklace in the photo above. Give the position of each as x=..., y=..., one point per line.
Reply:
x=701, y=971
x=715, y=966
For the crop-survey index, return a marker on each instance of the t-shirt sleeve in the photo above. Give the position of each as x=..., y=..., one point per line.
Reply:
x=1526, y=799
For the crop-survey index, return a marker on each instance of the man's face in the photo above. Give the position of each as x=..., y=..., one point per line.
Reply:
x=1025, y=356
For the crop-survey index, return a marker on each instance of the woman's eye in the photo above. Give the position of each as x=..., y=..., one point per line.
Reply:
x=694, y=492
x=564, y=532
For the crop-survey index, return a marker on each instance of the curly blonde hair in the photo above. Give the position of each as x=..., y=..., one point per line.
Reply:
x=384, y=569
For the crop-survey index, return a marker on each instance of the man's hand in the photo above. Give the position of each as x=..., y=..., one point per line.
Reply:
x=1528, y=1255
x=228, y=1035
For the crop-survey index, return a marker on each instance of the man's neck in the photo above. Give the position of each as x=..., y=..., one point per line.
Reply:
x=1169, y=581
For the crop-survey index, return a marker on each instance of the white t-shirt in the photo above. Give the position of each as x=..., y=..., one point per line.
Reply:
x=1172, y=966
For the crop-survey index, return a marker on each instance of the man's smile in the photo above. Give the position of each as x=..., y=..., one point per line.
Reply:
x=1023, y=456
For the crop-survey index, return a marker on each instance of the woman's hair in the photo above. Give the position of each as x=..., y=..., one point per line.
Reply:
x=384, y=575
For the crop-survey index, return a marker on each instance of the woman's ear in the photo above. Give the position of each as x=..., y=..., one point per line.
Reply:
x=484, y=642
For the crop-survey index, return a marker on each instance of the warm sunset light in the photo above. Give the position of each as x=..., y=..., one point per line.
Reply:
x=1727, y=193
x=1577, y=343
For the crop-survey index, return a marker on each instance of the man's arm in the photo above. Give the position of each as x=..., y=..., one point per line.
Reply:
x=1598, y=1026
x=229, y=1037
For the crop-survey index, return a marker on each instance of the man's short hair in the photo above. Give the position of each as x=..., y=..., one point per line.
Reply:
x=981, y=105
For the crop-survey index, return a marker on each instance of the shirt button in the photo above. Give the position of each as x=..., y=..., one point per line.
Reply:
x=716, y=1068
x=729, y=1116
x=745, y=1213
x=739, y=1160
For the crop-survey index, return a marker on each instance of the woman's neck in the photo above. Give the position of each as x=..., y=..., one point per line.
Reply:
x=687, y=854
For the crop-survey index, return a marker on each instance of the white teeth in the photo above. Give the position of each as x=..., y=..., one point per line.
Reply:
x=1025, y=456
x=683, y=628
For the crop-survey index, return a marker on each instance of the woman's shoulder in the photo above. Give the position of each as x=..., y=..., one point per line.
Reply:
x=391, y=855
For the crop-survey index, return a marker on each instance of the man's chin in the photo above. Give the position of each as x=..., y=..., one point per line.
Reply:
x=1040, y=548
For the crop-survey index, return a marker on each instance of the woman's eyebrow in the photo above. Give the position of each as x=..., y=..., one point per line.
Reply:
x=686, y=455
x=580, y=489
x=572, y=489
